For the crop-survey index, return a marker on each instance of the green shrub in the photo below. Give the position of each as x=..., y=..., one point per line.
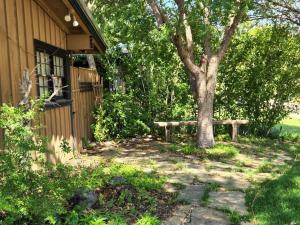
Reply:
x=120, y=117
x=264, y=62
x=99, y=128
x=27, y=195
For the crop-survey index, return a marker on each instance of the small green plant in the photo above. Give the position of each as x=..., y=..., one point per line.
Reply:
x=265, y=167
x=125, y=196
x=189, y=149
x=222, y=151
x=99, y=129
x=65, y=146
x=148, y=219
x=234, y=216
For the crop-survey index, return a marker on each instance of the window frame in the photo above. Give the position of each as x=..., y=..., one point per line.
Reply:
x=57, y=101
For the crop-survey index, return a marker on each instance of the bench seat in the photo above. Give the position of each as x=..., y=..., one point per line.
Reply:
x=234, y=123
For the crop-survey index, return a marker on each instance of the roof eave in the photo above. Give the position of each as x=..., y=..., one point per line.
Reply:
x=87, y=18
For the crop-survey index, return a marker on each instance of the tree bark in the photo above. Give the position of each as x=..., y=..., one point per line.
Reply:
x=206, y=85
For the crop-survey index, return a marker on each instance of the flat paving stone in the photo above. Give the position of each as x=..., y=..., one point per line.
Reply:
x=233, y=200
x=229, y=180
x=188, y=215
x=182, y=178
x=181, y=216
x=206, y=216
x=192, y=194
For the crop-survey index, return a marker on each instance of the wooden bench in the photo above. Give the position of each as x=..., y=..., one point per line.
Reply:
x=234, y=123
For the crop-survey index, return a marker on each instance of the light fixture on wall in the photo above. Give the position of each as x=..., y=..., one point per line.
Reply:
x=68, y=17
x=75, y=22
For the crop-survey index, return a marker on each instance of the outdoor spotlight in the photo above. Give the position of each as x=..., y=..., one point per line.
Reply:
x=68, y=17
x=75, y=22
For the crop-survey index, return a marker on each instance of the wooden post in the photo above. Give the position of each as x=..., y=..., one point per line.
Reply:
x=168, y=133
x=234, y=135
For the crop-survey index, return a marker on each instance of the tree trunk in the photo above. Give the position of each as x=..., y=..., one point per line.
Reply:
x=206, y=85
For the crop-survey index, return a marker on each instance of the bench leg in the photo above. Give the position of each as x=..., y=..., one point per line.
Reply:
x=235, y=130
x=168, y=133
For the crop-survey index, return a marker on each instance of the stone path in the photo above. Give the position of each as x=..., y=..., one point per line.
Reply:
x=197, y=214
x=194, y=213
x=192, y=178
x=233, y=200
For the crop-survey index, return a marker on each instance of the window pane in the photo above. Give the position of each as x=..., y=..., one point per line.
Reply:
x=47, y=58
x=43, y=85
x=47, y=62
x=42, y=57
x=48, y=69
x=59, y=84
x=61, y=71
x=41, y=81
x=38, y=69
x=41, y=91
x=38, y=57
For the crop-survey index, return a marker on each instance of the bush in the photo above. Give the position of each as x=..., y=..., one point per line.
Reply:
x=33, y=191
x=258, y=77
x=28, y=196
x=120, y=117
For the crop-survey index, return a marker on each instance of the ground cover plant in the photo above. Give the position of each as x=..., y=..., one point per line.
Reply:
x=220, y=151
x=33, y=191
x=110, y=194
x=277, y=201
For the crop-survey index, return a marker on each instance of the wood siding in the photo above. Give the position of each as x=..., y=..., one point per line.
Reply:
x=82, y=113
x=21, y=22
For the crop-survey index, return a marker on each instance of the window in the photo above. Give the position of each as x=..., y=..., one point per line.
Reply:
x=43, y=71
x=52, y=71
x=58, y=74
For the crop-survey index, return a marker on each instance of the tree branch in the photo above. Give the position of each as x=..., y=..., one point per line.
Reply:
x=159, y=15
x=184, y=54
x=185, y=50
x=187, y=28
x=56, y=90
x=285, y=6
x=282, y=10
x=230, y=29
x=207, y=39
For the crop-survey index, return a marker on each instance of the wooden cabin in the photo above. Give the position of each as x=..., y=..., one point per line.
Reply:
x=41, y=36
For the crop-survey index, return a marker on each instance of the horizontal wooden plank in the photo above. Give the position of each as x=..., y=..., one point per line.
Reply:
x=193, y=123
x=224, y=122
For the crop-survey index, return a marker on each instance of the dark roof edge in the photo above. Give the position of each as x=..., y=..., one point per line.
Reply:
x=87, y=18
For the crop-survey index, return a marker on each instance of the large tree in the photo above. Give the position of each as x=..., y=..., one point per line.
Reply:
x=201, y=31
